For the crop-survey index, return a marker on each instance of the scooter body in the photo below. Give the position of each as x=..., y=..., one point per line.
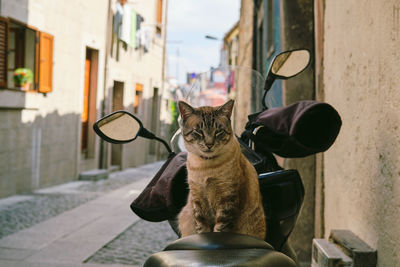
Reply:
x=282, y=190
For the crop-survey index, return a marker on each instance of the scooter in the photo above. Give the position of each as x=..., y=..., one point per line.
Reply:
x=298, y=130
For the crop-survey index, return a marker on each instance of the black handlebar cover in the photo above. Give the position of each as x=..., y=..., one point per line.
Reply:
x=298, y=130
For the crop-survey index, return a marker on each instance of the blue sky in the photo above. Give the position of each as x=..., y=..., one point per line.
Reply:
x=188, y=22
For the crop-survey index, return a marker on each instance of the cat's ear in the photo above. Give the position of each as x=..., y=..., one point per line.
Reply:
x=185, y=110
x=226, y=109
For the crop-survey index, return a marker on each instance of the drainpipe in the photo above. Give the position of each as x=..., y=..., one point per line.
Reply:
x=164, y=32
x=103, y=157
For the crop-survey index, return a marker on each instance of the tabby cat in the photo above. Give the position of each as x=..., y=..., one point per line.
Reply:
x=224, y=193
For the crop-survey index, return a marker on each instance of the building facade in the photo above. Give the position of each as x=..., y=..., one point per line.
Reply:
x=354, y=185
x=65, y=48
x=134, y=77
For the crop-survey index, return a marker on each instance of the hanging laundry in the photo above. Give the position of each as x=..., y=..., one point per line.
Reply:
x=126, y=24
x=146, y=38
x=138, y=38
x=143, y=38
x=139, y=20
x=118, y=19
x=133, y=28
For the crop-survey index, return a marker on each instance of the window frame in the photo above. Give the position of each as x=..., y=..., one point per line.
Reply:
x=22, y=53
x=36, y=87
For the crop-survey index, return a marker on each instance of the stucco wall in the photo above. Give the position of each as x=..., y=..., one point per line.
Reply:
x=362, y=81
x=136, y=66
x=40, y=135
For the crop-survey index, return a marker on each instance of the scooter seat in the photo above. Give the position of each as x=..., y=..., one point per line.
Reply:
x=219, y=249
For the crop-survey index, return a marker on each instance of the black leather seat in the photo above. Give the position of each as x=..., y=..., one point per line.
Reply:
x=219, y=249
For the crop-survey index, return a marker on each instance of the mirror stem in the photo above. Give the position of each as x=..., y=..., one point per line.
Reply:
x=268, y=84
x=269, y=81
x=164, y=143
x=147, y=134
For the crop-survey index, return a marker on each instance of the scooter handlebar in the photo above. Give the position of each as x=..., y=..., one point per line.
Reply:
x=297, y=130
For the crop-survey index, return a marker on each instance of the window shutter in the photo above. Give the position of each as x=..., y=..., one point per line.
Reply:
x=3, y=51
x=45, y=63
x=159, y=11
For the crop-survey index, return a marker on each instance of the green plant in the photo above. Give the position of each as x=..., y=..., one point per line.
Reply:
x=22, y=76
x=174, y=114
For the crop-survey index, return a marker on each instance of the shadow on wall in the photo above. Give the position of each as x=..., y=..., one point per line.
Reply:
x=36, y=151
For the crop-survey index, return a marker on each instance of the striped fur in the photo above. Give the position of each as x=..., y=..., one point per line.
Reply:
x=224, y=193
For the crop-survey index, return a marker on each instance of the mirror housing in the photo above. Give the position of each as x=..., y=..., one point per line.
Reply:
x=287, y=65
x=122, y=127
x=290, y=63
x=118, y=127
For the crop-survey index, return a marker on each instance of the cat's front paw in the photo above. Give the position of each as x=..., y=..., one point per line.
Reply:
x=203, y=229
x=219, y=227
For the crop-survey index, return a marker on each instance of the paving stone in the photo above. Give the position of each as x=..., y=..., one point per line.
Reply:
x=49, y=202
x=131, y=247
x=24, y=214
x=136, y=244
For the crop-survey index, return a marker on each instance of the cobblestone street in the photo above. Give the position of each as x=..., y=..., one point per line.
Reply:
x=136, y=244
x=130, y=246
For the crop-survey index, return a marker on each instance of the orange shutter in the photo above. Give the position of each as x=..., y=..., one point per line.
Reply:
x=159, y=11
x=46, y=62
x=138, y=96
x=85, y=111
x=3, y=51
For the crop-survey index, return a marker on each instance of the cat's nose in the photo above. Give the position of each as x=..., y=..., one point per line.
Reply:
x=209, y=146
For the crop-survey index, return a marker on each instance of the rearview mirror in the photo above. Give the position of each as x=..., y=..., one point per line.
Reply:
x=290, y=63
x=118, y=127
x=286, y=65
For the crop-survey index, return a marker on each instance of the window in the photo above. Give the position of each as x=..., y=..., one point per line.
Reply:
x=24, y=47
x=159, y=16
x=138, y=97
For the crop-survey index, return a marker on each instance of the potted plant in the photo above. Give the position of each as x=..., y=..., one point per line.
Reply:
x=23, y=78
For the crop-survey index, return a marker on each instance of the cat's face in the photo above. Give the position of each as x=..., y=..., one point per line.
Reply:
x=206, y=130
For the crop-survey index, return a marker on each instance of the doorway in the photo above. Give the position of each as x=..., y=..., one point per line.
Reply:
x=88, y=115
x=117, y=104
x=155, y=118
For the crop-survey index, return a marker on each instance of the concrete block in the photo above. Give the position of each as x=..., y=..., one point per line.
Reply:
x=361, y=253
x=93, y=175
x=327, y=254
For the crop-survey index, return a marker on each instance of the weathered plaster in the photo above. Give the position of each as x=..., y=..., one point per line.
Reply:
x=361, y=80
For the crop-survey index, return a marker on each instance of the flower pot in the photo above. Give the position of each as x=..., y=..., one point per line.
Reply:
x=26, y=86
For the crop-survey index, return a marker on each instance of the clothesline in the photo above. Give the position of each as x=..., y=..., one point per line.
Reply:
x=129, y=26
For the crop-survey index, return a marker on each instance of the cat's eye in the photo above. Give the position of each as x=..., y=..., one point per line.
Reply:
x=219, y=133
x=197, y=133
